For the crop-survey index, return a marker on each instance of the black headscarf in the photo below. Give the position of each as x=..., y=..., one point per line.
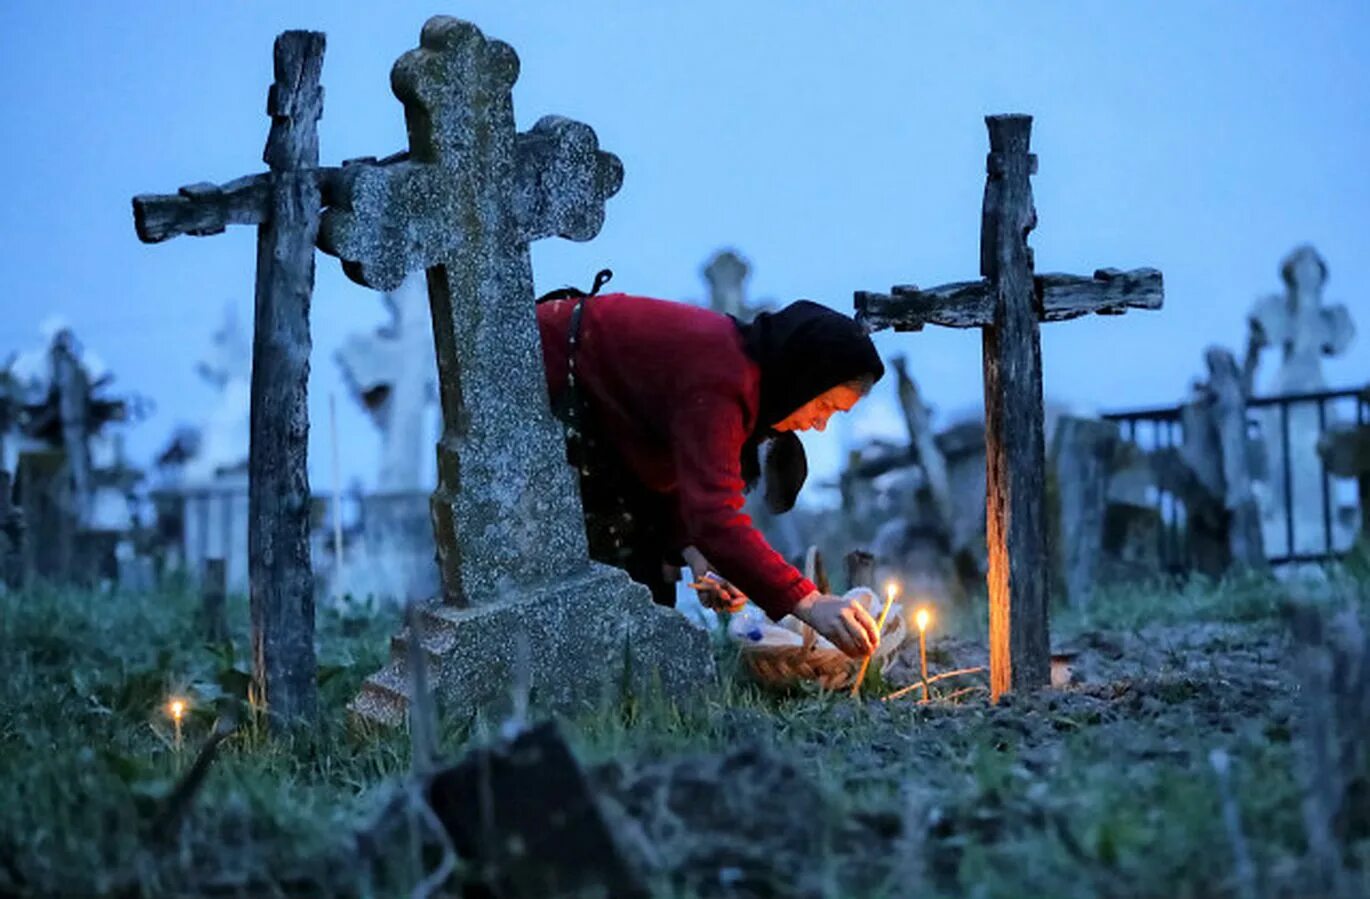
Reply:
x=803, y=350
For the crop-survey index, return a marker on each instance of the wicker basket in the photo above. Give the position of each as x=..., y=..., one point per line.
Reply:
x=776, y=660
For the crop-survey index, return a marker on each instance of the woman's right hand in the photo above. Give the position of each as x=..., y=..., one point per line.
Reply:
x=844, y=622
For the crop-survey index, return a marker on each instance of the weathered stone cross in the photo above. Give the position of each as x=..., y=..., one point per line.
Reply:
x=285, y=205
x=1007, y=304
x=464, y=206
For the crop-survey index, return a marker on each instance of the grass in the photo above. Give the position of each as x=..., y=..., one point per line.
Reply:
x=1069, y=795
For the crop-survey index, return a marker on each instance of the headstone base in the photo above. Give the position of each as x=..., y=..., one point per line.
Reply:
x=594, y=637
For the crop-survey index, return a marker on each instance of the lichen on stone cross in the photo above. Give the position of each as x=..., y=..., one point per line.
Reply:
x=464, y=206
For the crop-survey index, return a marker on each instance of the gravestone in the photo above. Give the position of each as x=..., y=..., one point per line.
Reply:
x=726, y=274
x=963, y=447
x=43, y=490
x=392, y=373
x=1346, y=453
x=464, y=206
x=12, y=536
x=1007, y=304
x=205, y=495
x=1081, y=454
x=225, y=433
x=285, y=204
x=1302, y=331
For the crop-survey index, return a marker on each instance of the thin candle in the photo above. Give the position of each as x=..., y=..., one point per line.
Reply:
x=890, y=590
x=921, y=619
x=176, y=708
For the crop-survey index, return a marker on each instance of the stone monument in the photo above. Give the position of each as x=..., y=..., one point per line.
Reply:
x=1302, y=331
x=392, y=373
x=464, y=206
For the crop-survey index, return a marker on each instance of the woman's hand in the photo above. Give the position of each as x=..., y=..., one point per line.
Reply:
x=714, y=592
x=844, y=622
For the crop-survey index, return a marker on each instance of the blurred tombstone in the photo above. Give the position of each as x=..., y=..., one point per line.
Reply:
x=1081, y=453
x=726, y=274
x=12, y=530
x=203, y=504
x=963, y=448
x=1302, y=330
x=1346, y=453
x=392, y=373
x=221, y=440
x=43, y=490
x=214, y=602
x=465, y=205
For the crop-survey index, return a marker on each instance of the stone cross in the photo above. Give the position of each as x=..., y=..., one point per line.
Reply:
x=1008, y=303
x=464, y=205
x=285, y=205
x=726, y=274
x=1299, y=325
x=1303, y=330
x=392, y=374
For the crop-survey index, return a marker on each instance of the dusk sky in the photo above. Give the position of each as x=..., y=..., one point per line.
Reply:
x=838, y=146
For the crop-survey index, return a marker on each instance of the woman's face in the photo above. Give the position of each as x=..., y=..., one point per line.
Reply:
x=815, y=413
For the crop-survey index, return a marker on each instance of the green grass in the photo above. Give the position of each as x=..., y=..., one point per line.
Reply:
x=1078, y=798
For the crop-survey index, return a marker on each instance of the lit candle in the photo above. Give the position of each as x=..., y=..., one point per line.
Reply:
x=176, y=708
x=890, y=590
x=921, y=619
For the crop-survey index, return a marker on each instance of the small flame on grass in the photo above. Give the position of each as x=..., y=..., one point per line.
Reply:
x=176, y=708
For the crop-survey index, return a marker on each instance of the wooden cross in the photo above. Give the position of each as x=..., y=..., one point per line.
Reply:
x=285, y=205
x=1007, y=304
x=464, y=205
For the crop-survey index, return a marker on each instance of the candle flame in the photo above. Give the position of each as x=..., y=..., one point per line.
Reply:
x=921, y=618
x=177, y=709
x=891, y=590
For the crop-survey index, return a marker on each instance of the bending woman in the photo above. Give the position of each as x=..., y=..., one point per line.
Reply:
x=667, y=407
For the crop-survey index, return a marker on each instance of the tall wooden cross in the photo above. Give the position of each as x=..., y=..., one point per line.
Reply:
x=285, y=205
x=1007, y=304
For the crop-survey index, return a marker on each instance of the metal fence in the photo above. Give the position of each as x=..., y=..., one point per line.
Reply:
x=1160, y=429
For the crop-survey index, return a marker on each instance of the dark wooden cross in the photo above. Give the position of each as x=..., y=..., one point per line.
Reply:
x=1007, y=304
x=285, y=205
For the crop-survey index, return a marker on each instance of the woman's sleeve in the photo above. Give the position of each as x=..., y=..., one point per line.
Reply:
x=707, y=433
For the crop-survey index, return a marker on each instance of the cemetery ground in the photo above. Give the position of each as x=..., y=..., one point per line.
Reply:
x=1106, y=787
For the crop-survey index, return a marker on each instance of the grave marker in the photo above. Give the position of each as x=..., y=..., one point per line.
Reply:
x=1008, y=304
x=464, y=205
x=285, y=205
x=1302, y=330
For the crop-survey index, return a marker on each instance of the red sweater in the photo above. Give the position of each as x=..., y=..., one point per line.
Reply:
x=676, y=394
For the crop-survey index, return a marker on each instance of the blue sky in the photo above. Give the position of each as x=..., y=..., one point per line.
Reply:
x=840, y=146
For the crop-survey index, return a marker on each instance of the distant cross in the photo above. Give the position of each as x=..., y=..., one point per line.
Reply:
x=465, y=205
x=1299, y=325
x=285, y=205
x=391, y=372
x=726, y=274
x=1007, y=304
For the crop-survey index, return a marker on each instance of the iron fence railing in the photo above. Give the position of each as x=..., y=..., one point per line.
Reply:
x=1160, y=429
